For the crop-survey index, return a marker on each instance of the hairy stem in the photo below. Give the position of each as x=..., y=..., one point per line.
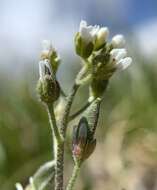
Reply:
x=53, y=123
x=60, y=147
x=73, y=177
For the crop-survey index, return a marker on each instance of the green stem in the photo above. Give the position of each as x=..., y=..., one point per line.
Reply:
x=53, y=123
x=73, y=116
x=73, y=177
x=60, y=148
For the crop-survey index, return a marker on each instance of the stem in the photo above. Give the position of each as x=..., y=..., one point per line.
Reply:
x=73, y=116
x=60, y=147
x=53, y=123
x=73, y=177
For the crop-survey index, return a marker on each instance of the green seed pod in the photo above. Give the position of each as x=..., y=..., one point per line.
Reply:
x=83, y=141
x=48, y=89
x=83, y=49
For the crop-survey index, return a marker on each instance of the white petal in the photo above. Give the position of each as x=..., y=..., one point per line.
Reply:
x=83, y=23
x=118, y=54
x=94, y=31
x=85, y=33
x=44, y=68
x=122, y=54
x=124, y=63
x=18, y=186
x=103, y=34
x=88, y=33
x=118, y=41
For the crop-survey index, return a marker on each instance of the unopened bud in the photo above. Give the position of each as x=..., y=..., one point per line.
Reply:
x=118, y=41
x=83, y=48
x=101, y=38
x=47, y=87
x=49, y=53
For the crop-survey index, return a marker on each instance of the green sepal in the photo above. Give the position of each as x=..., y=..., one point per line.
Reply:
x=82, y=48
x=48, y=89
x=98, y=87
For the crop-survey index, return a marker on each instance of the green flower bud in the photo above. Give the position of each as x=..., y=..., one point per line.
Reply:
x=83, y=141
x=48, y=89
x=83, y=48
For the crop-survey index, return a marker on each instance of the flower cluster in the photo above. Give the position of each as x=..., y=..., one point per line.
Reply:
x=101, y=57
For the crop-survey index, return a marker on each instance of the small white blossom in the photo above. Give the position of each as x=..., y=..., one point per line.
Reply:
x=19, y=186
x=88, y=33
x=118, y=54
x=119, y=57
x=124, y=63
x=118, y=41
x=44, y=68
x=102, y=34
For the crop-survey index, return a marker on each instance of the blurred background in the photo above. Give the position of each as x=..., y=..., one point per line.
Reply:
x=126, y=153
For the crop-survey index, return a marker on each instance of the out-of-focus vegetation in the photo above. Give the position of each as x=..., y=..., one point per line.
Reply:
x=126, y=153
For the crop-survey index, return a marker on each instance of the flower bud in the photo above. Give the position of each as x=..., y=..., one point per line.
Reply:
x=50, y=54
x=83, y=141
x=118, y=41
x=83, y=48
x=101, y=38
x=47, y=87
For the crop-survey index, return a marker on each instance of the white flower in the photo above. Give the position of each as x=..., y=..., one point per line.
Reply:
x=118, y=41
x=88, y=33
x=102, y=34
x=124, y=63
x=44, y=68
x=118, y=54
x=19, y=186
x=120, y=59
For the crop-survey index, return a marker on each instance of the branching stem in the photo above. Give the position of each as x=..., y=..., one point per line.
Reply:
x=60, y=148
x=81, y=110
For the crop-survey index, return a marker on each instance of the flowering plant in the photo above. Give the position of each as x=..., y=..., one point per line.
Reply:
x=100, y=60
